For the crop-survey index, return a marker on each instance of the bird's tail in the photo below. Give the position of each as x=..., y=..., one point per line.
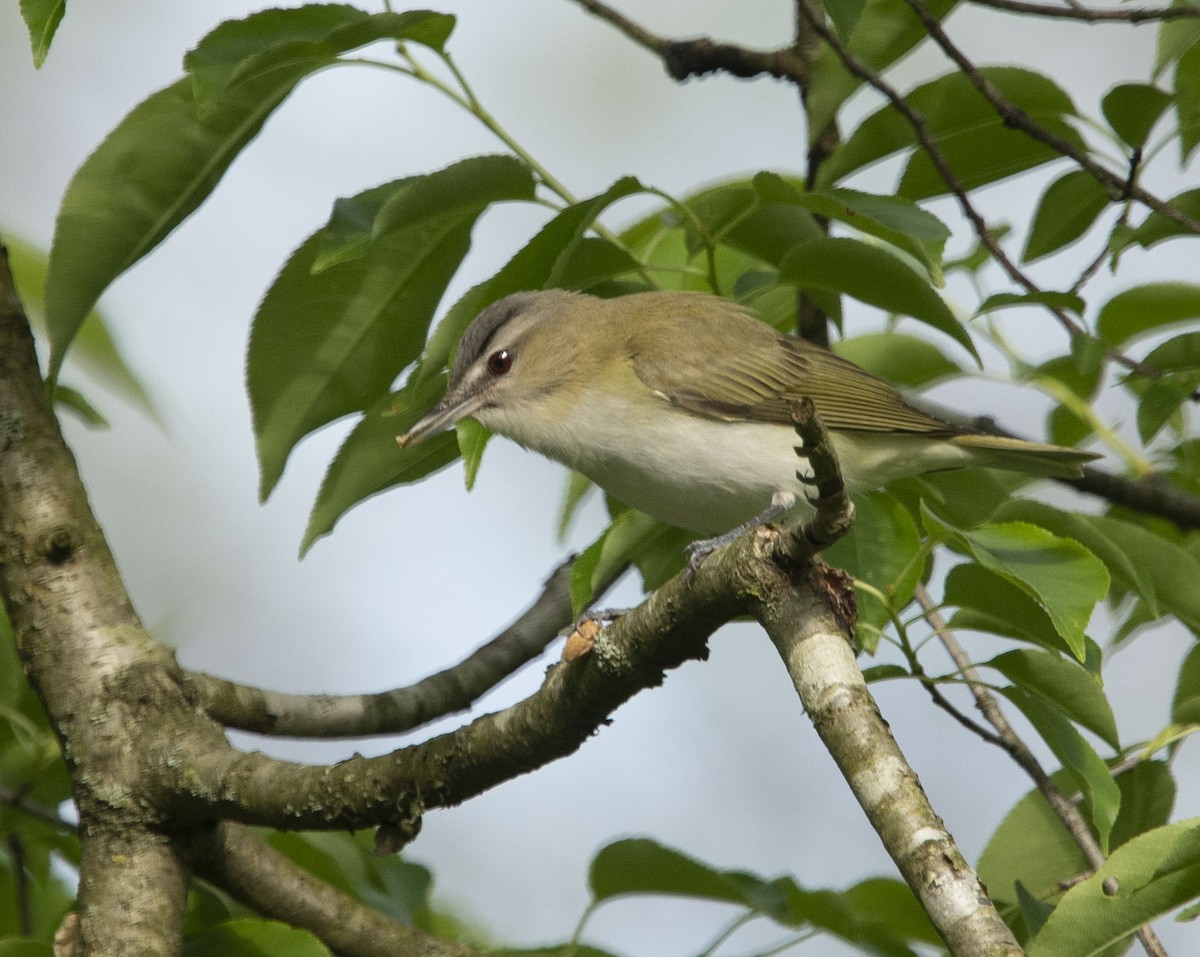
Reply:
x=1018, y=455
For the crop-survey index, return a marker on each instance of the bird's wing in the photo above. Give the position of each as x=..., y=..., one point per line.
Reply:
x=760, y=378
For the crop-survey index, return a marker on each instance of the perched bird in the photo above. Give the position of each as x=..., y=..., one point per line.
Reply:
x=679, y=404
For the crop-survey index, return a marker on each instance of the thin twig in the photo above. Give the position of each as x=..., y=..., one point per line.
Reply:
x=1077, y=11
x=1117, y=185
x=929, y=144
x=1011, y=742
x=401, y=709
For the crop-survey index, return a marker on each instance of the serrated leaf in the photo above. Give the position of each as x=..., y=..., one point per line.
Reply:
x=329, y=343
x=894, y=219
x=991, y=604
x=1122, y=546
x=1132, y=109
x=159, y=164
x=1087, y=919
x=1062, y=576
x=972, y=136
x=873, y=276
x=1101, y=796
x=1068, y=208
x=1064, y=685
x=898, y=358
x=370, y=461
x=239, y=52
x=42, y=18
x=253, y=937
x=1147, y=308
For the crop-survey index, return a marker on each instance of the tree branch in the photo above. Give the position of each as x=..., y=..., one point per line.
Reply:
x=234, y=859
x=1117, y=185
x=1091, y=15
x=1011, y=742
x=701, y=55
x=811, y=629
x=403, y=709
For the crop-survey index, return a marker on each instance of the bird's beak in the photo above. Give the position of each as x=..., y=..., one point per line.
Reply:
x=441, y=417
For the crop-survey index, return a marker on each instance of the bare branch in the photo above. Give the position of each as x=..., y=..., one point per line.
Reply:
x=250, y=870
x=1077, y=11
x=402, y=709
x=701, y=55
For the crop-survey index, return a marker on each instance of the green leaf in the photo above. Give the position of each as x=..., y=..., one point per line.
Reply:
x=1101, y=796
x=1067, y=210
x=253, y=937
x=348, y=862
x=1160, y=402
x=1033, y=911
x=633, y=537
x=1064, y=685
x=1087, y=919
x=1147, y=799
x=873, y=276
x=845, y=15
x=237, y=51
x=893, y=219
x=991, y=604
x=578, y=486
x=1175, y=37
x=537, y=265
x=643, y=866
x=1187, y=101
x=1147, y=308
x=1062, y=576
x=1185, y=705
x=884, y=550
x=886, y=30
x=1033, y=847
x=370, y=461
x=898, y=358
x=1067, y=301
x=1132, y=109
x=164, y=159
x=1157, y=228
x=974, y=139
x=325, y=344
x=95, y=350
x=42, y=18
x=472, y=440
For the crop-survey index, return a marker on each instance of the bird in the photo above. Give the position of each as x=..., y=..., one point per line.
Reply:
x=679, y=404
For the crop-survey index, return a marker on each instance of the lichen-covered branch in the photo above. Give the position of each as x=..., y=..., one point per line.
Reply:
x=402, y=709
x=250, y=870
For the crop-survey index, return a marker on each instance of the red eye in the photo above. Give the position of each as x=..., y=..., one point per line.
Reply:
x=499, y=362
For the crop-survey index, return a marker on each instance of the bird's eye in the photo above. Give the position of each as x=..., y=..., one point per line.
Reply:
x=499, y=362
